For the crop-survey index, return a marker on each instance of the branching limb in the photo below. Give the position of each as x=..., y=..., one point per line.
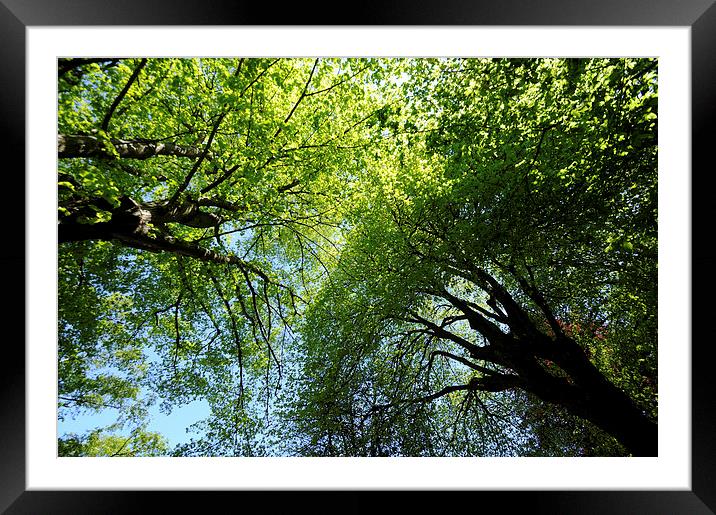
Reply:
x=477, y=322
x=533, y=293
x=529, y=288
x=482, y=353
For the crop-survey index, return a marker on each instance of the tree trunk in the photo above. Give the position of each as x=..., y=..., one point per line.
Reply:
x=589, y=395
x=611, y=410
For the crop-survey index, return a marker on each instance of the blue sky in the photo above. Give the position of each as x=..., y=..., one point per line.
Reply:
x=172, y=426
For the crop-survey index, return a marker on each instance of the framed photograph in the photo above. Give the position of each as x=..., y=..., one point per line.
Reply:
x=445, y=260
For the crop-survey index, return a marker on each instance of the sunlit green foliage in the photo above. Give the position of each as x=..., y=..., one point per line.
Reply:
x=97, y=443
x=303, y=243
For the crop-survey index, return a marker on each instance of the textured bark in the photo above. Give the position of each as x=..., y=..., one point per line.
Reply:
x=610, y=409
x=572, y=381
x=185, y=213
x=80, y=145
x=130, y=225
x=586, y=393
x=130, y=217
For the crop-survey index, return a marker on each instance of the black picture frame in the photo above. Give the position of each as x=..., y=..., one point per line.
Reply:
x=17, y=15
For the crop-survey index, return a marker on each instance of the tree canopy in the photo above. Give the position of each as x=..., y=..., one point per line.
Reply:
x=360, y=257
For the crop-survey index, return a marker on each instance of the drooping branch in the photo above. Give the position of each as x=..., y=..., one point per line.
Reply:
x=265, y=330
x=177, y=333
x=186, y=282
x=164, y=243
x=492, y=383
x=235, y=334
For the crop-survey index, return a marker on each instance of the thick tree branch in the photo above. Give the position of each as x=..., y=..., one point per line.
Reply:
x=476, y=352
x=477, y=322
x=85, y=146
x=130, y=224
x=516, y=315
x=496, y=383
x=186, y=213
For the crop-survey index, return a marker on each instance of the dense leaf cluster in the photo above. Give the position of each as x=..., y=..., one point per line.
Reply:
x=360, y=257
